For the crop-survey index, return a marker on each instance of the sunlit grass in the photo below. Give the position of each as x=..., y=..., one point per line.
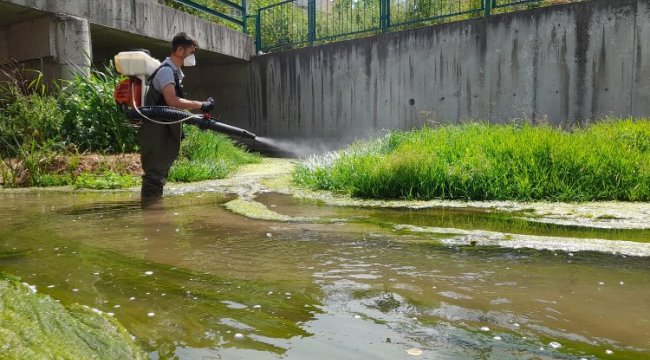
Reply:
x=606, y=161
x=206, y=155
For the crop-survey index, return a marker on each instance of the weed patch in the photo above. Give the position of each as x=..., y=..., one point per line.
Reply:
x=208, y=155
x=609, y=160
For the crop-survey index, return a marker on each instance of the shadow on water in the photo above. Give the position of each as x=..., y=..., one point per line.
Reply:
x=103, y=208
x=193, y=280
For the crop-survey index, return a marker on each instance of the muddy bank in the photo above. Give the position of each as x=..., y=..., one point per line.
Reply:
x=73, y=165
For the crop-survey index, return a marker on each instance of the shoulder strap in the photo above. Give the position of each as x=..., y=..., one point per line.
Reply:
x=153, y=75
x=178, y=87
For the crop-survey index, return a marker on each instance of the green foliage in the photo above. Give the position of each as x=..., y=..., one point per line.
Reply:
x=189, y=171
x=91, y=120
x=37, y=125
x=605, y=161
x=29, y=117
x=82, y=116
x=207, y=155
x=46, y=179
x=213, y=5
x=104, y=180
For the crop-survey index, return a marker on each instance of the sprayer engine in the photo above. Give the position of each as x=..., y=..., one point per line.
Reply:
x=129, y=96
x=128, y=93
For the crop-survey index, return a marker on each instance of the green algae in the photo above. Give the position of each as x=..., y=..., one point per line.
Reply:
x=255, y=210
x=190, y=308
x=35, y=326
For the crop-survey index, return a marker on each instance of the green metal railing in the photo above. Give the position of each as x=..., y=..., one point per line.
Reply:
x=231, y=12
x=294, y=23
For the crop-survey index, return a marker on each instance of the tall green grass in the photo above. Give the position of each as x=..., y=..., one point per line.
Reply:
x=606, y=161
x=91, y=120
x=206, y=155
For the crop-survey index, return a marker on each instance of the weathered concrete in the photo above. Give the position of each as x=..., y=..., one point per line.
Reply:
x=58, y=36
x=59, y=43
x=150, y=19
x=565, y=64
x=73, y=45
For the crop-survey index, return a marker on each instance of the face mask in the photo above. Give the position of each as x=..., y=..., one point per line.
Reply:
x=189, y=61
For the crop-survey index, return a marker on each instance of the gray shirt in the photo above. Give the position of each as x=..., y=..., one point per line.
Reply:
x=165, y=76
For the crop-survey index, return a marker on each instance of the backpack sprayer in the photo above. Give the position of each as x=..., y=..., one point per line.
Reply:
x=130, y=94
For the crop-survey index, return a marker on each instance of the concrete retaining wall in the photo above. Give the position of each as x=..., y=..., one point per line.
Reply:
x=565, y=65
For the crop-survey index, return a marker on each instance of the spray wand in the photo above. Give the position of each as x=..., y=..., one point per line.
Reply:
x=170, y=115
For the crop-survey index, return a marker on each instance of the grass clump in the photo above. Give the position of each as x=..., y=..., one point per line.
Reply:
x=609, y=160
x=207, y=155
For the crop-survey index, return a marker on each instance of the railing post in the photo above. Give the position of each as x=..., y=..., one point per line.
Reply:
x=384, y=14
x=243, y=17
x=311, y=21
x=488, y=7
x=258, y=32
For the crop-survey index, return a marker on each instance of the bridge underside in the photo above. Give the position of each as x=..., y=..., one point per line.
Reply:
x=59, y=40
x=107, y=42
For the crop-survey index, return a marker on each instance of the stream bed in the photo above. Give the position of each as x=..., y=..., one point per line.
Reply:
x=192, y=279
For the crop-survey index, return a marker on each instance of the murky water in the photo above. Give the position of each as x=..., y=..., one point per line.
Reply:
x=195, y=281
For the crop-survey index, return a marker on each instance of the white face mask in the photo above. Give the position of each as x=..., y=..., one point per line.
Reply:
x=189, y=61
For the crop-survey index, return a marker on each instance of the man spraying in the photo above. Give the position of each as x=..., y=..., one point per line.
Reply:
x=160, y=143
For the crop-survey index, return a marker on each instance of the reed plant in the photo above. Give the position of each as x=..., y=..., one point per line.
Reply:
x=609, y=160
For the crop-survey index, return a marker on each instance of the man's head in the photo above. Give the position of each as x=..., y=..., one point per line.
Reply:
x=183, y=46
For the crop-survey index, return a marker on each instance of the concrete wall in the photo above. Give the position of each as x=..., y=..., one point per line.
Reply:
x=150, y=19
x=57, y=45
x=565, y=64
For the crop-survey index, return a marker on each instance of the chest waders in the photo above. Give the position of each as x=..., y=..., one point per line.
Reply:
x=159, y=144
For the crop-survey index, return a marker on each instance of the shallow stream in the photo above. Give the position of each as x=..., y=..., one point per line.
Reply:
x=193, y=280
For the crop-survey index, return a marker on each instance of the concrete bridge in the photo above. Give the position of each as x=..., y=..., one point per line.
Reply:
x=57, y=36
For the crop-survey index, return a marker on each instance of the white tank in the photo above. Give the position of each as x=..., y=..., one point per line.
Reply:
x=135, y=63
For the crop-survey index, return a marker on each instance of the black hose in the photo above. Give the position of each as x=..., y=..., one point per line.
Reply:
x=170, y=114
x=159, y=113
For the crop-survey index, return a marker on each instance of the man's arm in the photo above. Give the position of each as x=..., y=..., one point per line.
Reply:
x=169, y=92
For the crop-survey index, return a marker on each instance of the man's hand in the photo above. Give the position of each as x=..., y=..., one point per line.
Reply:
x=207, y=105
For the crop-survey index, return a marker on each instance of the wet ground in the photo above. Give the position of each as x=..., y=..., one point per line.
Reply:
x=301, y=279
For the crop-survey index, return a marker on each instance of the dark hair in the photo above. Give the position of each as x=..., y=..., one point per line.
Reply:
x=183, y=40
